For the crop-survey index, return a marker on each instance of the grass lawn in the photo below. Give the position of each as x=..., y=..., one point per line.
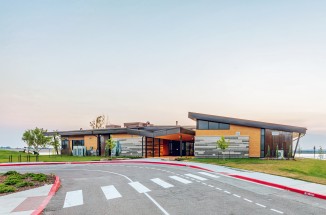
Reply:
x=304, y=169
x=4, y=157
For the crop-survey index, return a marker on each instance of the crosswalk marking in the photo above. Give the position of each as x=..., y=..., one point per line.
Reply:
x=110, y=192
x=73, y=198
x=161, y=183
x=208, y=174
x=139, y=187
x=196, y=177
x=182, y=180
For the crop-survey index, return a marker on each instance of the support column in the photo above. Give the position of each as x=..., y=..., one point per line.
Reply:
x=142, y=146
x=180, y=145
x=153, y=141
x=145, y=147
x=159, y=147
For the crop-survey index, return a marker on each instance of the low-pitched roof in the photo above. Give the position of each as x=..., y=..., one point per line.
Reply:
x=248, y=123
x=148, y=131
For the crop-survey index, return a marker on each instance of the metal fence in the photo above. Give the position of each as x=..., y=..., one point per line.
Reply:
x=21, y=158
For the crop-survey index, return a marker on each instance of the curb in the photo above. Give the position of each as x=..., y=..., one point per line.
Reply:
x=53, y=190
x=104, y=162
x=295, y=190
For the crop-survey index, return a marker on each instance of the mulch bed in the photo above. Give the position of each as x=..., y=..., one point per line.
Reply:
x=49, y=180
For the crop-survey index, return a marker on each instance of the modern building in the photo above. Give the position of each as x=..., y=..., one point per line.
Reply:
x=246, y=138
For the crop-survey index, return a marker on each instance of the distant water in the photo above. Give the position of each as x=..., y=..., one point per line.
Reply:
x=311, y=155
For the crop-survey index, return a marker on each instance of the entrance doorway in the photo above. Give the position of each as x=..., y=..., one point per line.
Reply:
x=187, y=148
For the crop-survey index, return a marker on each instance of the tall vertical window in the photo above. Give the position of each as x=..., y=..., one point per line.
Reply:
x=262, y=143
x=64, y=144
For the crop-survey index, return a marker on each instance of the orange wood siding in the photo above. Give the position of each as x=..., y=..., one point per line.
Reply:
x=90, y=141
x=253, y=133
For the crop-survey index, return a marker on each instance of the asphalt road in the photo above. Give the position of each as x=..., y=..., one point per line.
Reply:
x=161, y=189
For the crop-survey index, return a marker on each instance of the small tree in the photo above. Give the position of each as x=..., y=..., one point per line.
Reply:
x=36, y=139
x=56, y=142
x=276, y=151
x=109, y=145
x=28, y=138
x=222, y=144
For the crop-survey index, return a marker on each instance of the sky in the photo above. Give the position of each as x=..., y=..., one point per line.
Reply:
x=62, y=63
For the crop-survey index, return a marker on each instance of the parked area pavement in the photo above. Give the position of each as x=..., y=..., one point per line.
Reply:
x=155, y=188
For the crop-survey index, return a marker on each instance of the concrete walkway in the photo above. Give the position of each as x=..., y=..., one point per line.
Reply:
x=24, y=202
x=308, y=187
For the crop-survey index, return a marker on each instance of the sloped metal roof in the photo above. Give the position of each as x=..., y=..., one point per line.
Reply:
x=244, y=122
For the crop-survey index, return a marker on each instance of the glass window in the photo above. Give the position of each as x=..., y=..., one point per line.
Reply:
x=64, y=144
x=78, y=143
x=224, y=126
x=202, y=125
x=213, y=125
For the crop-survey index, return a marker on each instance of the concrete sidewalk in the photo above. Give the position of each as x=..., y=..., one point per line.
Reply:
x=24, y=202
x=298, y=186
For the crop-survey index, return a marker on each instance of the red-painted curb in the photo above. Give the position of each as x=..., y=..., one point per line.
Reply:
x=53, y=190
x=316, y=195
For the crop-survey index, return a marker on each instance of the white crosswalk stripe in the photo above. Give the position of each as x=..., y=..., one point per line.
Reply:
x=196, y=177
x=182, y=180
x=73, y=198
x=208, y=174
x=139, y=187
x=110, y=192
x=162, y=183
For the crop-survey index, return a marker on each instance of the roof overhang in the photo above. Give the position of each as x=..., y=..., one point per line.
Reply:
x=248, y=123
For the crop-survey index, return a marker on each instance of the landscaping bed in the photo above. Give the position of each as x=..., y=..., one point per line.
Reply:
x=13, y=181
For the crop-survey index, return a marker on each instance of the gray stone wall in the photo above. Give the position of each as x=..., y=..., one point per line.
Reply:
x=206, y=147
x=129, y=146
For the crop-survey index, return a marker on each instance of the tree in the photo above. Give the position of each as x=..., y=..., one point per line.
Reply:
x=110, y=144
x=276, y=151
x=28, y=137
x=56, y=142
x=222, y=144
x=98, y=122
x=36, y=139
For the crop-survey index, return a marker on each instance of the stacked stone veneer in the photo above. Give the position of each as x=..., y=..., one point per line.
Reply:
x=130, y=146
x=206, y=147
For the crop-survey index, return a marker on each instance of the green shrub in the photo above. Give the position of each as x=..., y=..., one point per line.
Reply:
x=12, y=180
x=6, y=189
x=39, y=177
x=31, y=175
x=11, y=173
x=24, y=184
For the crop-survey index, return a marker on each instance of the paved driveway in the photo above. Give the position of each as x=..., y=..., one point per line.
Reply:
x=160, y=189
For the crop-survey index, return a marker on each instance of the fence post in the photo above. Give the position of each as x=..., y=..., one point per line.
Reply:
x=36, y=158
x=229, y=154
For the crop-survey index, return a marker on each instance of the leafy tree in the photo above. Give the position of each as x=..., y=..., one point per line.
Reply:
x=29, y=139
x=98, y=122
x=222, y=144
x=35, y=138
x=56, y=142
x=109, y=145
x=276, y=151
